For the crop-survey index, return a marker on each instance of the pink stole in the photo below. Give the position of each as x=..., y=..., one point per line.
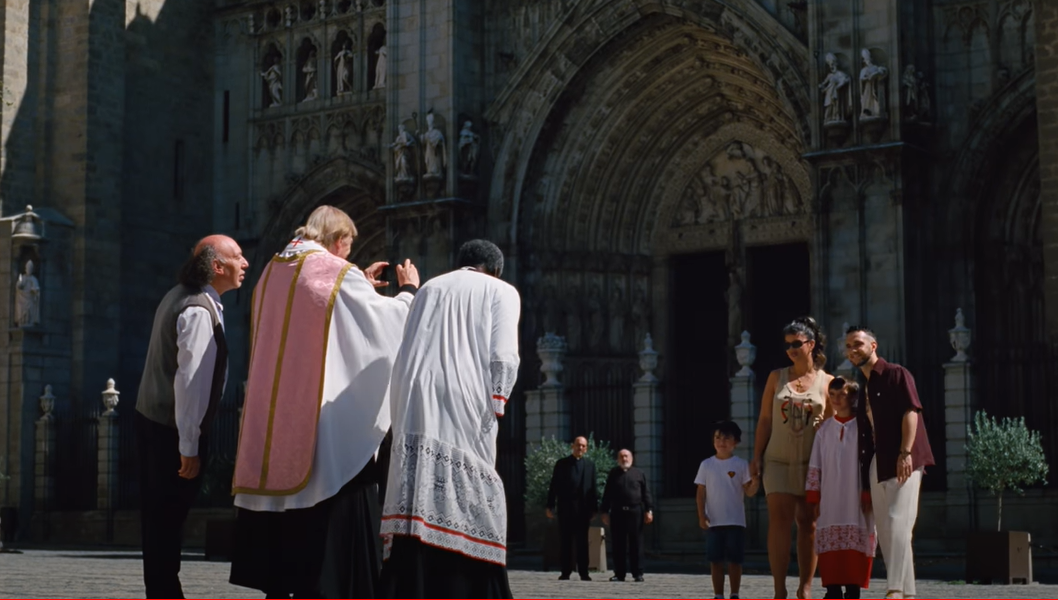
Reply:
x=291, y=320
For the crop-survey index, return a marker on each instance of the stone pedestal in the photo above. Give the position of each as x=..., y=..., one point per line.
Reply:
x=958, y=414
x=744, y=396
x=546, y=409
x=107, y=436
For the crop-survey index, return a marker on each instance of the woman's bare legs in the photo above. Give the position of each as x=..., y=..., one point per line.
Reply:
x=781, y=511
x=806, y=551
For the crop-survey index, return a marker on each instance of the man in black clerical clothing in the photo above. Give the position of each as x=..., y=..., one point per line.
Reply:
x=626, y=506
x=573, y=493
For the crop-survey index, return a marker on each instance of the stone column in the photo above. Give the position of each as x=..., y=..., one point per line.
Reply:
x=744, y=396
x=45, y=458
x=1046, y=54
x=647, y=417
x=546, y=408
x=107, y=435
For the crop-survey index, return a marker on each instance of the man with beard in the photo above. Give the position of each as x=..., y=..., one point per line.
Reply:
x=626, y=506
x=893, y=460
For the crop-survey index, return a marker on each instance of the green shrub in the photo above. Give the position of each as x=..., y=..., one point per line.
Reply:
x=1003, y=455
x=540, y=463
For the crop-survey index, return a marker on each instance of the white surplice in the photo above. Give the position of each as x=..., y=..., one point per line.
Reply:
x=453, y=374
x=834, y=472
x=365, y=334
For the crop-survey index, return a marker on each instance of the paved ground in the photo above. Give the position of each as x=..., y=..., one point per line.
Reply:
x=59, y=574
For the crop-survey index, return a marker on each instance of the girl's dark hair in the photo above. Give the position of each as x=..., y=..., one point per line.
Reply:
x=852, y=389
x=808, y=327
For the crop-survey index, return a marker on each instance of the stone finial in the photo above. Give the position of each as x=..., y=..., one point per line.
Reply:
x=110, y=398
x=846, y=366
x=960, y=337
x=648, y=360
x=551, y=348
x=289, y=13
x=47, y=402
x=745, y=353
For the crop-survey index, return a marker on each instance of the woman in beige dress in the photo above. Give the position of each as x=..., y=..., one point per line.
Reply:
x=793, y=405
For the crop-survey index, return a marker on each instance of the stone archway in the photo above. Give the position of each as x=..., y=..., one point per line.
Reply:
x=353, y=186
x=596, y=154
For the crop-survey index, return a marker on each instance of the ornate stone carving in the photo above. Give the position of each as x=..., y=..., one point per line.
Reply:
x=469, y=145
x=648, y=360
x=959, y=336
x=551, y=348
x=741, y=183
x=110, y=398
x=403, y=156
x=872, y=88
x=745, y=354
x=917, y=105
x=837, y=94
x=273, y=76
x=27, y=298
x=309, y=71
x=434, y=156
x=343, y=70
x=27, y=226
x=380, y=68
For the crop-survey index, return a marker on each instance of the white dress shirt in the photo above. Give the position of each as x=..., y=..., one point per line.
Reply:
x=195, y=359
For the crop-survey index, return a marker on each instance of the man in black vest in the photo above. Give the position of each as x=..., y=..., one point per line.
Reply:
x=626, y=506
x=572, y=492
x=183, y=380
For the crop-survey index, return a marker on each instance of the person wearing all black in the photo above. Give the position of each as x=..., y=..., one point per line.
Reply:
x=572, y=493
x=626, y=506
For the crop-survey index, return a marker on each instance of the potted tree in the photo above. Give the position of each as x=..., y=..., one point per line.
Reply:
x=1002, y=456
x=539, y=464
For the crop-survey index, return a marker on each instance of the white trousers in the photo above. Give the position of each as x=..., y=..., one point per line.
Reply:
x=895, y=508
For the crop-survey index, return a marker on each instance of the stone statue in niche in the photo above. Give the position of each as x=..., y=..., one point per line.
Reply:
x=402, y=155
x=734, y=305
x=343, y=70
x=916, y=94
x=273, y=76
x=618, y=315
x=836, y=92
x=311, y=81
x=433, y=142
x=872, y=87
x=380, y=68
x=774, y=201
x=27, y=298
x=469, y=144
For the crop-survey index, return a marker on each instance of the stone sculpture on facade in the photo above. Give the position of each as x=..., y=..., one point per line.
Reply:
x=273, y=76
x=960, y=338
x=403, y=148
x=469, y=145
x=746, y=355
x=311, y=81
x=872, y=88
x=380, y=68
x=343, y=70
x=434, y=156
x=837, y=95
x=27, y=298
x=648, y=360
x=916, y=94
x=550, y=349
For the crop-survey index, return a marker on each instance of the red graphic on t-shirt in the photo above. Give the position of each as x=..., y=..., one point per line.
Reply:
x=731, y=474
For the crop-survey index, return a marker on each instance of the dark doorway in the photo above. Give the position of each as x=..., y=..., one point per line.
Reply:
x=697, y=388
x=778, y=290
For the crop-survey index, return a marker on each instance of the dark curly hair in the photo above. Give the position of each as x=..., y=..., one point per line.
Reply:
x=197, y=271
x=481, y=253
x=808, y=327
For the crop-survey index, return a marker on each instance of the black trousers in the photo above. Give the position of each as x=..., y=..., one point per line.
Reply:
x=626, y=526
x=165, y=500
x=573, y=535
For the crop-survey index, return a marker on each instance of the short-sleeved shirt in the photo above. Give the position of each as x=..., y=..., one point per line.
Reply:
x=890, y=393
x=724, y=494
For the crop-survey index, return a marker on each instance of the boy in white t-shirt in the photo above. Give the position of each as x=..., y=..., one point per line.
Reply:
x=723, y=481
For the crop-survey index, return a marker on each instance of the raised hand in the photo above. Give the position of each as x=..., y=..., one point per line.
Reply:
x=374, y=271
x=407, y=274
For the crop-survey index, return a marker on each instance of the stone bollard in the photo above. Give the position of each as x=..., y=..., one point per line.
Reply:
x=744, y=397
x=647, y=416
x=107, y=436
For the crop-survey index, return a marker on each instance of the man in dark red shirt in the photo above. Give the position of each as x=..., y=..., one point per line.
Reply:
x=894, y=454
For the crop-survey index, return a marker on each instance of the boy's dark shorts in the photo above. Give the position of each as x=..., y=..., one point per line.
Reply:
x=726, y=544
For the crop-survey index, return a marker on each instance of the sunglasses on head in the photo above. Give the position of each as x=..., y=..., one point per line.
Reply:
x=794, y=345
